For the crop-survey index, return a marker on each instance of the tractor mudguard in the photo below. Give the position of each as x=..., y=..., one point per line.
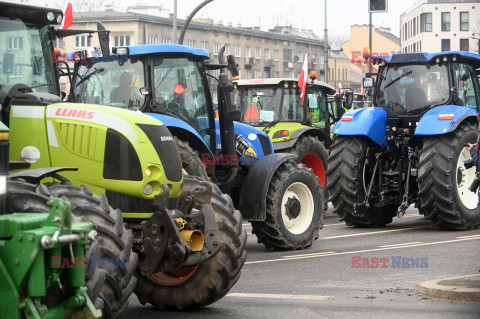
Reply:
x=255, y=187
x=36, y=175
x=371, y=122
x=322, y=136
x=261, y=145
x=180, y=129
x=430, y=124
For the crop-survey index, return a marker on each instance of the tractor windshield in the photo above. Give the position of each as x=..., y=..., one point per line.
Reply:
x=412, y=89
x=115, y=82
x=25, y=57
x=180, y=91
x=316, y=102
x=262, y=105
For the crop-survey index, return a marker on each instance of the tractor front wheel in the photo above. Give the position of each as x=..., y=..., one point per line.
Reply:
x=444, y=181
x=294, y=209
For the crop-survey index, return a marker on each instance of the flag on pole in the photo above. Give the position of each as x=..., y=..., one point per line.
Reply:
x=302, y=81
x=67, y=15
x=339, y=87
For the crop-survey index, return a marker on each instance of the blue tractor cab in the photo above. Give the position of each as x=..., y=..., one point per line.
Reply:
x=409, y=147
x=170, y=83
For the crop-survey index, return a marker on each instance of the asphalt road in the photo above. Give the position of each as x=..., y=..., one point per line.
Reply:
x=320, y=282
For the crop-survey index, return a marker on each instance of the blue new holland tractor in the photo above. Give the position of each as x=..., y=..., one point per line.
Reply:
x=409, y=147
x=282, y=199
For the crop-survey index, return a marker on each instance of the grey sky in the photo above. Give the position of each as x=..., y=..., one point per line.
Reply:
x=302, y=14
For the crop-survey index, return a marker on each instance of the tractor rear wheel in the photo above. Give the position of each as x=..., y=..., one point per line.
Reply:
x=313, y=154
x=191, y=163
x=444, y=181
x=207, y=282
x=294, y=209
x=348, y=175
x=109, y=288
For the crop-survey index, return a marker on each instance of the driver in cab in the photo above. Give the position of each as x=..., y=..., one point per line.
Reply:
x=123, y=93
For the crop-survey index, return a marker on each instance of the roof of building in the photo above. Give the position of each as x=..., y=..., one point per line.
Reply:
x=292, y=35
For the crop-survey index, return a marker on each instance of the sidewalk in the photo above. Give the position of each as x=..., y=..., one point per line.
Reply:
x=463, y=288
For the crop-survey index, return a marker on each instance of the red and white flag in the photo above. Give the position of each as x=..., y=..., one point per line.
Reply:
x=339, y=87
x=302, y=81
x=67, y=15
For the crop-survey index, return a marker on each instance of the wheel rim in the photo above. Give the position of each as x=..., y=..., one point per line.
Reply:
x=313, y=161
x=172, y=278
x=304, y=215
x=464, y=179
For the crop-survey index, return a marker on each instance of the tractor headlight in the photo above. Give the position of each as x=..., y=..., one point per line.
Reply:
x=59, y=18
x=148, y=189
x=50, y=16
x=3, y=184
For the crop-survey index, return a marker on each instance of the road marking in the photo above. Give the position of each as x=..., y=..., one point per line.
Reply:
x=279, y=296
x=372, y=233
x=333, y=224
x=402, y=244
x=471, y=236
x=313, y=254
x=323, y=254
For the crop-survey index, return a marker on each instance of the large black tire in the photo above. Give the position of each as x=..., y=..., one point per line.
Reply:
x=296, y=229
x=191, y=162
x=346, y=186
x=439, y=175
x=213, y=278
x=314, y=155
x=109, y=288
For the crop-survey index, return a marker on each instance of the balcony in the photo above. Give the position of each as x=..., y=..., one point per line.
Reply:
x=249, y=62
x=269, y=63
x=287, y=65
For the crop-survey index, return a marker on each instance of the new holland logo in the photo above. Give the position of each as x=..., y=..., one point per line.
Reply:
x=79, y=114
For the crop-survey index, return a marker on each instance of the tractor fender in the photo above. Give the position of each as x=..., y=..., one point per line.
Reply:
x=370, y=122
x=254, y=190
x=312, y=131
x=430, y=124
x=183, y=131
x=36, y=175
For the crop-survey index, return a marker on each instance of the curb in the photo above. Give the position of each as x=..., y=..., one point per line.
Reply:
x=442, y=289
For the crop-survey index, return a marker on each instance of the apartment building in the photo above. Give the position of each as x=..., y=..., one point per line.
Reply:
x=441, y=25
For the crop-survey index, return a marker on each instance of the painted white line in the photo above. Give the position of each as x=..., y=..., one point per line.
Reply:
x=333, y=224
x=403, y=244
x=313, y=254
x=279, y=296
x=471, y=236
x=372, y=233
x=358, y=251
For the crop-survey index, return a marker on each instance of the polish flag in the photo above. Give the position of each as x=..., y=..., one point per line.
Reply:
x=339, y=87
x=67, y=15
x=363, y=90
x=302, y=81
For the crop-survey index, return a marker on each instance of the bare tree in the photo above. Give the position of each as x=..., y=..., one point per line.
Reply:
x=336, y=40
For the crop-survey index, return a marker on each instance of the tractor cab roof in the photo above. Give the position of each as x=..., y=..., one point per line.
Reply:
x=430, y=57
x=31, y=14
x=279, y=81
x=171, y=50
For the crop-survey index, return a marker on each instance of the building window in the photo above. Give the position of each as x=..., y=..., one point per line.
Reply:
x=59, y=43
x=82, y=41
x=258, y=74
x=414, y=47
x=205, y=45
x=275, y=55
x=227, y=49
x=257, y=53
x=445, y=21
x=276, y=74
x=166, y=40
x=248, y=52
x=287, y=54
x=247, y=74
x=464, y=45
x=445, y=45
x=238, y=51
x=121, y=40
x=267, y=54
x=152, y=39
x=426, y=22
x=463, y=21
x=414, y=26
x=216, y=48
x=192, y=43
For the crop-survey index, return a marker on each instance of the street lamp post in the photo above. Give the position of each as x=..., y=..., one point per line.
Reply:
x=189, y=18
x=326, y=45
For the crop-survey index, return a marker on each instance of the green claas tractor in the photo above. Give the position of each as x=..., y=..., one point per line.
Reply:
x=274, y=106
x=44, y=257
x=187, y=235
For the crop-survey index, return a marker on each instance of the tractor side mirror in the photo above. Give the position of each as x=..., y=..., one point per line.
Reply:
x=348, y=100
x=233, y=66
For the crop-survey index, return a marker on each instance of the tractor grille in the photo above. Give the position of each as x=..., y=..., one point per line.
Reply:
x=78, y=138
x=121, y=160
x=265, y=142
x=166, y=148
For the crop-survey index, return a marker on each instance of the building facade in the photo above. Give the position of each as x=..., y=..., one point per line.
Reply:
x=441, y=25
x=280, y=52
